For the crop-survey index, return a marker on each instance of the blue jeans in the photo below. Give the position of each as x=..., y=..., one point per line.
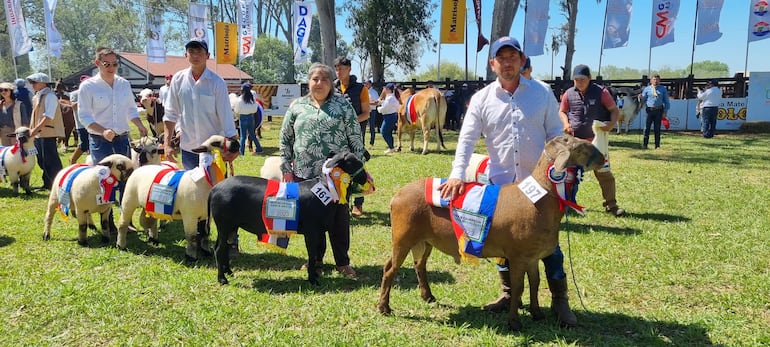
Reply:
x=248, y=130
x=388, y=124
x=554, y=265
x=709, y=121
x=189, y=160
x=101, y=148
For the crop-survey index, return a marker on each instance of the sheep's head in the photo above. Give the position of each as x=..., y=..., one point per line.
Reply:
x=569, y=151
x=22, y=134
x=120, y=165
x=349, y=163
x=229, y=147
x=148, y=150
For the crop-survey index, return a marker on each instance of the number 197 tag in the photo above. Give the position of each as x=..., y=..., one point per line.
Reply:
x=532, y=189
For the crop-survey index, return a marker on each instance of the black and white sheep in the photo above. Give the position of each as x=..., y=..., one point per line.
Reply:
x=86, y=193
x=237, y=203
x=190, y=201
x=17, y=161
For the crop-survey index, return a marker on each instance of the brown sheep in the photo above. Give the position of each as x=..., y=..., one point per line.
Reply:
x=430, y=107
x=521, y=231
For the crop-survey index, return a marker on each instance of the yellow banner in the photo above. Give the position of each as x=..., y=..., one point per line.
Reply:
x=226, y=43
x=452, y=21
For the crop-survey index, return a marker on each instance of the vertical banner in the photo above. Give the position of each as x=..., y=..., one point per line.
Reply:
x=198, y=22
x=481, y=41
x=535, y=27
x=664, y=14
x=709, y=12
x=759, y=20
x=758, y=104
x=156, y=51
x=452, y=21
x=245, y=28
x=618, y=23
x=52, y=34
x=21, y=44
x=226, y=42
x=303, y=17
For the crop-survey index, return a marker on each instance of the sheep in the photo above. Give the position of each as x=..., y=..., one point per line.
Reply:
x=89, y=186
x=17, y=161
x=190, y=199
x=237, y=202
x=271, y=169
x=521, y=231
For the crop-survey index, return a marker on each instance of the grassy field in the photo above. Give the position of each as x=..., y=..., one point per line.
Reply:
x=687, y=266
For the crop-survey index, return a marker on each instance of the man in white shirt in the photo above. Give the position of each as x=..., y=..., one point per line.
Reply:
x=198, y=101
x=163, y=93
x=517, y=117
x=374, y=97
x=709, y=98
x=106, y=104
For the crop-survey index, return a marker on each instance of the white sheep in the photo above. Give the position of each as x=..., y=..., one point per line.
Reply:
x=190, y=199
x=17, y=161
x=84, y=190
x=271, y=169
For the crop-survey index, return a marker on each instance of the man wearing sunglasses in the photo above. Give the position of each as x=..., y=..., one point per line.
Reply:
x=105, y=106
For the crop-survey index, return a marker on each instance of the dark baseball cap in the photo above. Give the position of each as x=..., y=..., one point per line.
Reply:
x=196, y=43
x=390, y=86
x=714, y=82
x=505, y=41
x=581, y=71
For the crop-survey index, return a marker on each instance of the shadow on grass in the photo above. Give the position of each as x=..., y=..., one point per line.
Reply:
x=589, y=228
x=594, y=328
x=6, y=240
x=35, y=194
x=371, y=218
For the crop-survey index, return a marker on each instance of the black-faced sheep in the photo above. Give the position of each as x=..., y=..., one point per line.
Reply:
x=84, y=190
x=17, y=161
x=521, y=231
x=188, y=201
x=238, y=201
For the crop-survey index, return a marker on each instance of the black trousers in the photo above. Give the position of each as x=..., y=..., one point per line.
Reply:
x=48, y=159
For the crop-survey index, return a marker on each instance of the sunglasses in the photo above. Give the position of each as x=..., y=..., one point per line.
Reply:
x=6, y=90
x=108, y=64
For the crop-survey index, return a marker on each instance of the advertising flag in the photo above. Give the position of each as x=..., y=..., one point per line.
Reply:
x=452, y=21
x=618, y=23
x=535, y=27
x=245, y=28
x=198, y=22
x=759, y=20
x=708, y=21
x=481, y=41
x=664, y=13
x=226, y=43
x=21, y=44
x=156, y=51
x=54, y=38
x=303, y=17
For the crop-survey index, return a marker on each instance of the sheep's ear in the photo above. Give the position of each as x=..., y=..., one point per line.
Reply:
x=107, y=163
x=137, y=150
x=11, y=135
x=561, y=161
x=558, y=149
x=331, y=155
x=200, y=149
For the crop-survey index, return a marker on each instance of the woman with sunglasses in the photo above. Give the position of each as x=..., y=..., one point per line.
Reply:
x=11, y=114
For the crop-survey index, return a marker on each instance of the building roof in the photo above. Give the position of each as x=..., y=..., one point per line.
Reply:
x=175, y=63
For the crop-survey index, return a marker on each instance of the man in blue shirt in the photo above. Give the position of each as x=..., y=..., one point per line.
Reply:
x=655, y=98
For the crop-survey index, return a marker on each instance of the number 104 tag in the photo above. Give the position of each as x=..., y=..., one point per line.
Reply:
x=532, y=189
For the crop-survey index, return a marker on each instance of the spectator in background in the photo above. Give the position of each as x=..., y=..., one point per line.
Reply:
x=163, y=92
x=11, y=112
x=389, y=110
x=709, y=98
x=79, y=127
x=373, y=114
x=47, y=126
x=429, y=85
x=24, y=95
x=249, y=114
x=655, y=98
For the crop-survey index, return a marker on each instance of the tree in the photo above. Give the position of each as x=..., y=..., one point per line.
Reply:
x=450, y=70
x=328, y=26
x=272, y=61
x=709, y=69
x=503, y=13
x=391, y=32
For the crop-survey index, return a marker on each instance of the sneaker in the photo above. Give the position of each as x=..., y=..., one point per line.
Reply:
x=347, y=272
x=616, y=211
x=389, y=151
x=357, y=211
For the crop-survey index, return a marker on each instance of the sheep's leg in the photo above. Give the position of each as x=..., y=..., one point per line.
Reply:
x=15, y=186
x=151, y=226
x=105, y=222
x=533, y=276
x=82, y=217
x=128, y=206
x=421, y=252
x=517, y=288
x=52, y=202
x=24, y=179
x=203, y=239
x=190, y=225
x=388, y=274
x=313, y=238
x=222, y=252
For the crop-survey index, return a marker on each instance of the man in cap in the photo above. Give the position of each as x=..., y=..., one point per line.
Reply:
x=709, y=98
x=655, y=97
x=498, y=112
x=588, y=111
x=47, y=125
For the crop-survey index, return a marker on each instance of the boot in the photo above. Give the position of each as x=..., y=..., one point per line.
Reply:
x=607, y=184
x=503, y=303
x=560, y=303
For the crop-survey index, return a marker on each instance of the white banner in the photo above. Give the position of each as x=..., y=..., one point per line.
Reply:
x=21, y=44
x=535, y=27
x=245, y=28
x=708, y=15
x=664, y=13
x=156, y=50
x=198, y=22
x=303, y=14
x=759, y=20
x=759, y=97
x=54, y=38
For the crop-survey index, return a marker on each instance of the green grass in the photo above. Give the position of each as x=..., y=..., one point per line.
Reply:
x=687, y=266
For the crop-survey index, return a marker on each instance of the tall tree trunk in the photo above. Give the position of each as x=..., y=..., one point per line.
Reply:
x=378, y=68
x=328, y=28
x=502, y=19
x=572, y=10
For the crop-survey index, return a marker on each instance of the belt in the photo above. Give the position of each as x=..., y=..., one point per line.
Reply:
x=655, y=108
x=117, y=137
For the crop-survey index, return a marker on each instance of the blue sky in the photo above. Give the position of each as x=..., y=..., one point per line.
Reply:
x=730, y=48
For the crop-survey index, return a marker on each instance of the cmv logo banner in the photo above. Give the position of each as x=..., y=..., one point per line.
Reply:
x=303, y=14
x=664, y=13
x=245, y=28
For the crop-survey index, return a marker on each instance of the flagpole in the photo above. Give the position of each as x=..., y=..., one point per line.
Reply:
x=694, y=33
x=601, y=50
x=748, y=33
x=438, y=64
x=48, y=43
x=466, y=43
x=147, y=55
x=524, y=45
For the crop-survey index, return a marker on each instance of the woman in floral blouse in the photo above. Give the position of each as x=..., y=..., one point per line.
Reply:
x=314, y=126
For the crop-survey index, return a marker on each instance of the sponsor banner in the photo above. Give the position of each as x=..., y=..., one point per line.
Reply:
x=303, y=15
x=709, y=12
x=198, y=22
x=617, y=24
x=156, y=51
x=452, y=21
x=535, y=27
x=226, y=43
x=21, y=44
x=664, y=13
x=245, y=28
x=759, y=20
x=759, y=97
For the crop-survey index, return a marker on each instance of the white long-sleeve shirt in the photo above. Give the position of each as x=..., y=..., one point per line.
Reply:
x=710, y=97
x=111, y=107
x=515, y=128
x=389, y=105
x=200, y=108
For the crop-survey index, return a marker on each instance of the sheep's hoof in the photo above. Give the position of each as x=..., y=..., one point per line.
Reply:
x=537, y=314
x=514, y=325
x=206, y=252
x=190, y=259
x=384, y=309
x=92, y=226
x=83, y=243
x=46, y=236
x=223, y=280
x=153, y=241
x=314, y=281
x=430, y=299
x=122, y=248
x=105, y=239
